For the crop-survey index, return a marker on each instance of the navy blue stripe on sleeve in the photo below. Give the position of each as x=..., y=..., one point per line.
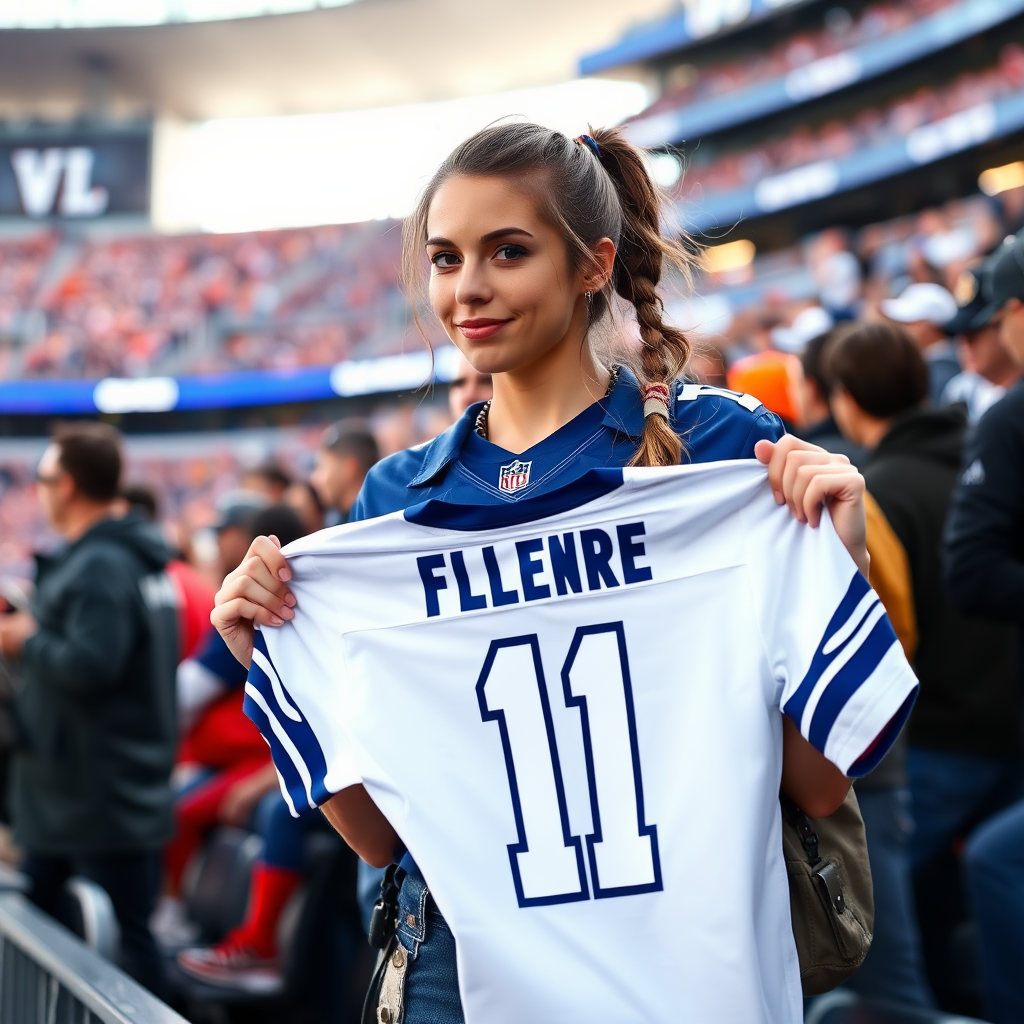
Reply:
x=856, y=640
x=297, y=752
x=849, y=679
x=855, y=594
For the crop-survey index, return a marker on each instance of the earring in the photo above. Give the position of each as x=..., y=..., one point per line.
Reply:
x=590, y=296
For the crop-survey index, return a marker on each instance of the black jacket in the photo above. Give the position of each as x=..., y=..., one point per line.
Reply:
x=96, y=704
x=825, y=434
x=967, y=702
x=985, y=531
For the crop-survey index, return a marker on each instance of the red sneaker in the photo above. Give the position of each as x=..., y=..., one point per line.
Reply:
x=233, y=966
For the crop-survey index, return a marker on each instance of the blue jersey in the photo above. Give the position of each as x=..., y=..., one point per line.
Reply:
x=460, y=466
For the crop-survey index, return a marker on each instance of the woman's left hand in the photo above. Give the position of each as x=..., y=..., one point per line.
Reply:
x=806, y=478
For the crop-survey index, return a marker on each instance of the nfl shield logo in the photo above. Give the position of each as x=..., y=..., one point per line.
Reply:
x=514, y=477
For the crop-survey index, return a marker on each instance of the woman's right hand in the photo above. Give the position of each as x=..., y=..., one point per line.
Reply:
x=255, y=592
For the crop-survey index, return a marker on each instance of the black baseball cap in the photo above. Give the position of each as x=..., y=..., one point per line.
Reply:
x=1003, y=280
x=969, y=292
x=236, y=508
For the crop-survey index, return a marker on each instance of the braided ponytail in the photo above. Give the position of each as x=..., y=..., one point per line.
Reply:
x=664, y=349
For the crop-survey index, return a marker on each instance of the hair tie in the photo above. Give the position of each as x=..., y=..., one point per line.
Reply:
x=656, y=400
x=590, y=143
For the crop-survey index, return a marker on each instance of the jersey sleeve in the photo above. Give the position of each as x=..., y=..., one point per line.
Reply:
x=294, y=697
x=843, y=677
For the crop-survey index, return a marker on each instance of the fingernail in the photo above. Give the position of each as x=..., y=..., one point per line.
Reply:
x=778, y=497
x=284, y=575
x=275, y=621
x=288, y=613
x=289, y=599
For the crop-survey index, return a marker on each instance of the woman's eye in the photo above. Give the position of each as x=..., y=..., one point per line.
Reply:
x=444, y=260
x=510, y=252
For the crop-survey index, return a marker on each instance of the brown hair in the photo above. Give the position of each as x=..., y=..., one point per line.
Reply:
x=587, y=196
x=90, y=453
x=880, y=367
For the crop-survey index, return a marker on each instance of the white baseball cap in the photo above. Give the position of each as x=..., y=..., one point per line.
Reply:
x=919, y=302
x=807, y=324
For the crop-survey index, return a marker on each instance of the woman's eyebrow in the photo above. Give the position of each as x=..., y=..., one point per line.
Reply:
x=503, y=232
x=489, y=237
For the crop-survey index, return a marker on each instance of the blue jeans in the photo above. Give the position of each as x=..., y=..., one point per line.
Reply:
x=951, y=793
x=432, y=977
x=995, y=876
x=894, y=967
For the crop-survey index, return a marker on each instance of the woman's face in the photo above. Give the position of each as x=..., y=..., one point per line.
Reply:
x=500, y=281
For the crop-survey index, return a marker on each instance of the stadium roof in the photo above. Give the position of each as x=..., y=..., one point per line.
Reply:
x=107, y=13
x=363, y=54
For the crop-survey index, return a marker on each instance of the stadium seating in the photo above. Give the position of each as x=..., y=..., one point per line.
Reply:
x=872, y=127
x=319, y=930
x=145, y=305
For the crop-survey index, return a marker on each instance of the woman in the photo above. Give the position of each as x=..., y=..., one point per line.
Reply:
x=527, y=235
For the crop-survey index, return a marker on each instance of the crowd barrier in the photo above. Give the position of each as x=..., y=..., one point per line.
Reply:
x=48, y=976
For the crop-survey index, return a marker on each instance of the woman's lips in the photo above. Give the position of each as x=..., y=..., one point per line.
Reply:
x=477, y=330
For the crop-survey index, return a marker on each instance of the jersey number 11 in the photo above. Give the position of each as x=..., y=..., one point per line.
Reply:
x=547, y=860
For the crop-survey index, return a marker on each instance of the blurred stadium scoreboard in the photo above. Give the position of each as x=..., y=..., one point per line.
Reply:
x=71, y=172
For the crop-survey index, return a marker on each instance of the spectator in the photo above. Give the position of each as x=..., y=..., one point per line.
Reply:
x=347, y=452
x=270, y=480
x=234, y=510
x=467, y=386
x=97, y=654
x=894, y=967
x=302, y=499
x=809, y=323
x=923, y=310
x=248, y=958
x=963, y=742
x=989, y=367
x=219, y=773
x=985, y=574
x=817, y=423
x=194, y=593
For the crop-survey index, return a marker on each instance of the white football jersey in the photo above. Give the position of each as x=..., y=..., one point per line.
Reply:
x=573, y=723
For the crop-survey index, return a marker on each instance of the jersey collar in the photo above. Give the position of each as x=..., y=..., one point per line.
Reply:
x=624, y=413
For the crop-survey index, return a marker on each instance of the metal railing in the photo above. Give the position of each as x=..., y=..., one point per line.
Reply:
x=48, y=976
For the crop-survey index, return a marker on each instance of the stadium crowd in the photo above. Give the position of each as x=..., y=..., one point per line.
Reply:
x=899, y=345
x=198, y=304
x=842, y=32
x=894, y=380
x=872, y=126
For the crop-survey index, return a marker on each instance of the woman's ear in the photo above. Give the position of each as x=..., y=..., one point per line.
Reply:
x=600, y=273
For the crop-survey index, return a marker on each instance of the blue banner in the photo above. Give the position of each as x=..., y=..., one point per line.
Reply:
x=388, y=374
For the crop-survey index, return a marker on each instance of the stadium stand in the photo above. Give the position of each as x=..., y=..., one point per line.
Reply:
x=146, y=305
x=774, y=120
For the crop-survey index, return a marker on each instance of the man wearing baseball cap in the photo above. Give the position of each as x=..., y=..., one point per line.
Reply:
x=922, y=311
x=989, y=367
x=985, y=579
